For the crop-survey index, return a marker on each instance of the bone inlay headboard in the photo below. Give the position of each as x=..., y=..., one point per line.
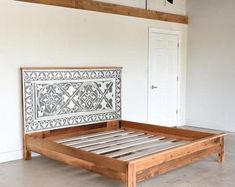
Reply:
x=60, y=98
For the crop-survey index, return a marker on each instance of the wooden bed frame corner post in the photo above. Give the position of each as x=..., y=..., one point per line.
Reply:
x=113, y=124
x=131, y=175
x=26, y=152
x=221, y=151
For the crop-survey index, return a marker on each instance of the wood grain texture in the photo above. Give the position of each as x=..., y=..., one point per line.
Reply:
x=221, y=150
x=174, y=132
x=131, y=176
x=113, y=124
x=133, y=149
x=176, y=163
x=43, y=146
x=138, y=169
x=156, y=133
x=177, y=152
x=145, y=152
x=115, y=141
x=114, y=9
x=27, y=155
x=73, y=131
x=91, y=137
x=81, y=163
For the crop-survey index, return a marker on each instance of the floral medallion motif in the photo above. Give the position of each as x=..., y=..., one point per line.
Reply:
x=61, y=98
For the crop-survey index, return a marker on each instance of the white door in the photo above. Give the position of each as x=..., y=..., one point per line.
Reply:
x=163, y=78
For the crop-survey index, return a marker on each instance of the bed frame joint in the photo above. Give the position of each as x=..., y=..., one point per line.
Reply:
x=221, y=151
x=131, y=175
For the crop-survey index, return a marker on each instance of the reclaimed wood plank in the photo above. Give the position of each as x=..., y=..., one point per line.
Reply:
x=106, y=140
x=177, y=152
x=43, y=146
x=126, y=145
x=155, y=149
x=181, y=133
x=176, y=163
x=85, y=140
x=126, y=139
x=133, y=149
x=87, y=136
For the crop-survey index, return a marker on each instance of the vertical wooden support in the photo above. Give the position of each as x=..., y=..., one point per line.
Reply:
x=221, y=152
x=131, y=176
x=113, y=124
x=26, y=152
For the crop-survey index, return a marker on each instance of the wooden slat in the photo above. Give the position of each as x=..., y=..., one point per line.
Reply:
x=126, y=145
x=114, y=9
x=117, y=134
x=143, y=146
x=107, y=140
x=87, y=136
x=125, y=139
x=155, y=149
x=155, y=133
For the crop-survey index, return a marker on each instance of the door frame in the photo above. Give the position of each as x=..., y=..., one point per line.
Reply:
x=179, y=71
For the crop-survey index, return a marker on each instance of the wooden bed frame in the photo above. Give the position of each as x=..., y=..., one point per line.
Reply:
x=195, y=146
x=101, y=142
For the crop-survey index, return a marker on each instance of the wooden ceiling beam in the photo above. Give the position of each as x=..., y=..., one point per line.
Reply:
x=114, y=9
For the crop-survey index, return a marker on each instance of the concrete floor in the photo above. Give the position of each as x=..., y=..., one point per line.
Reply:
x=43, y=172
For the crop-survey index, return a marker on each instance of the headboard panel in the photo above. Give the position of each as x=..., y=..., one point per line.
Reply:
x=61, y=98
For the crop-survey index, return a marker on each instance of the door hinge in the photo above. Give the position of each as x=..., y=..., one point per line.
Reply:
x=177, y=111
x=178, y=45
x=177, y=78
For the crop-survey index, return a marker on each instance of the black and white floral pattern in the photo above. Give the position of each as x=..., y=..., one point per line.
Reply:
x=55, y=99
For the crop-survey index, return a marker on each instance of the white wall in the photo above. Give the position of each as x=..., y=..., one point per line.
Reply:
x=179, y=6
x=38, y=35
x=211, y=64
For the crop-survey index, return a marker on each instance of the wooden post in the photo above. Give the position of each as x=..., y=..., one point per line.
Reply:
x=221, y=152
x=131, y=176
x=113, y=124
x=26, y=152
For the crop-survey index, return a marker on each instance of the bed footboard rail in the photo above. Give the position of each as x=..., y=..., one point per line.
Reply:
x=109, y=167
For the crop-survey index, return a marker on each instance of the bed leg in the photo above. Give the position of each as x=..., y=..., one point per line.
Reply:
x=131, y=176
x=26, y=152
x=27, y=155
x=221, y=151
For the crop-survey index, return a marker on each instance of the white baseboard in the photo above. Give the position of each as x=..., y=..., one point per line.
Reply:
x=11, y=155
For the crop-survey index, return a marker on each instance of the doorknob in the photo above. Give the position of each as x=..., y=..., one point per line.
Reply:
x=153, y=87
